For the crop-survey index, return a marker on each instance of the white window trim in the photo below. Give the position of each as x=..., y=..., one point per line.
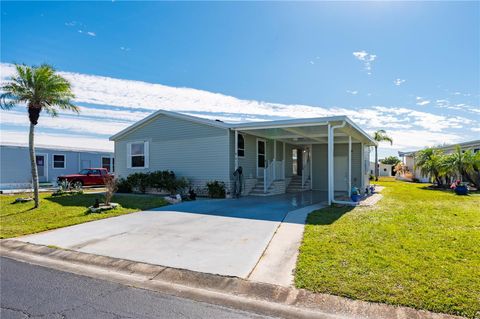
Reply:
x=146, y=154
x=111, y=164
x=264, y=154
x=241, y=156
x=64, y=160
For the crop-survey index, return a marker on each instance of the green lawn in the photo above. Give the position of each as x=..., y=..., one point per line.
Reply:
x=417, y=247
x=54, y=212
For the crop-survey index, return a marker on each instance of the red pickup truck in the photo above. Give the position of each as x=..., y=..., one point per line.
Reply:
x=87, y=177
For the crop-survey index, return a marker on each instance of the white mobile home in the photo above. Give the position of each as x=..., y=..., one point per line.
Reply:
x=52, y=161
x=327, y=154
x=408, y=158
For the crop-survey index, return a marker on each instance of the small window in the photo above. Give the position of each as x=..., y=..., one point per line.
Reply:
x=138, y=154
x=106, y=163
x=58, y=161
x=95, y=172
x=241, y=146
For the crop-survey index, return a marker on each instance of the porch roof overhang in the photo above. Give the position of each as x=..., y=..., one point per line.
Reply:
x=307, y=131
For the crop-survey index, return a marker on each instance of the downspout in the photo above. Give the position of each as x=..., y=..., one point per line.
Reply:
x=331, y=183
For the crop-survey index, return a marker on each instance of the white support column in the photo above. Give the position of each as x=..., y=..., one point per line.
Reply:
x=362, y=160
x=349, y=166
x=274, y=163
x=236, y=149
x=311, y=166
x=329, y=165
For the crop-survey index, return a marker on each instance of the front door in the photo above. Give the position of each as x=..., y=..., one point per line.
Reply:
x=299, y=162
x=41, y=168
x=261, y=157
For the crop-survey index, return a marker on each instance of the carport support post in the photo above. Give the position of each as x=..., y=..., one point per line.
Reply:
x=349, y=166
x=236, y=149
x=274, y=159
x=329, y=165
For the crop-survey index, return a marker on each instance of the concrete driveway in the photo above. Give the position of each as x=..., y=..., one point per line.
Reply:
x=225, y=237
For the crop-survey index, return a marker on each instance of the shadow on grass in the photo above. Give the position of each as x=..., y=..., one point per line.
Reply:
x=446, y=190
x=137, y=202
x=327, y=215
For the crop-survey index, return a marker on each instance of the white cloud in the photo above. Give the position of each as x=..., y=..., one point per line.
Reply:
x=127, y=101
x=352, y=92
x=476, y=129
x=416, y=139
x=92, y=34
x=124, y=49
x=421, y=101
x=366, y=58
x=398, y=82
x=71, y=140
x=71, y=23
x=312, y=63
x=76, y=124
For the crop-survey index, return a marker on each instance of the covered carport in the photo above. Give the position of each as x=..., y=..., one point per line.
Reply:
x=337, y=151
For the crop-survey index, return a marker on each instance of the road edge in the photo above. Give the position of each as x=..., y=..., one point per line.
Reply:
x=233, y=292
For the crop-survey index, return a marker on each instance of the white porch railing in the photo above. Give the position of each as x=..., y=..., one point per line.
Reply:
x=274, y=170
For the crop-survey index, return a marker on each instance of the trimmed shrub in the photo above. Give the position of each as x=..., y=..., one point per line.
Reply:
x=123, y=186
x=216, y=189
x=139, y=181
x=160, y=180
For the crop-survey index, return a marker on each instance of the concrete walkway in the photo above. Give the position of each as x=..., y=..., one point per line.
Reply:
x=277, y=265
x=225, y=237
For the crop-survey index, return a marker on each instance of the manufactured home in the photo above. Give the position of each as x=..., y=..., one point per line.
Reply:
x=409, y=158
x=52, y=161
x=328, y=154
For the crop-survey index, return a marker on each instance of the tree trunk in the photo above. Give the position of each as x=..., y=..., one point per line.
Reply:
x=376, y=163
x=33, y=162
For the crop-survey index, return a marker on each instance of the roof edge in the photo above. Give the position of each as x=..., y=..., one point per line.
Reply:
x=170, y=114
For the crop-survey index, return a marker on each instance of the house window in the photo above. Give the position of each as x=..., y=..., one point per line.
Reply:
x=476, y=150
x=241, y=145
x=138, y=154
x=58, y=161
x=107, y=163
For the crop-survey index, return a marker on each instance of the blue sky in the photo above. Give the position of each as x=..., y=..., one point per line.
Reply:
x=411, y=68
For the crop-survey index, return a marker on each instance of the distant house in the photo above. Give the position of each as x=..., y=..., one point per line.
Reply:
x=408, y=158
x=52, y=161
x=383, y=169
x=327, y=154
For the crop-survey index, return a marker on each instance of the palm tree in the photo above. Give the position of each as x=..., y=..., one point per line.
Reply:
x=464, y=163
x=40, y=88
x=430, y=162
x=380, y=136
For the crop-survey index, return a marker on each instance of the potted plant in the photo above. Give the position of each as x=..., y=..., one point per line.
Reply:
x=355, y=194
x=459, y=187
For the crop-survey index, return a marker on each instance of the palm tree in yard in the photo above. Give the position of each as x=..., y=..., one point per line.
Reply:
x=39, y=88
x=380, y=136
x=431, y=163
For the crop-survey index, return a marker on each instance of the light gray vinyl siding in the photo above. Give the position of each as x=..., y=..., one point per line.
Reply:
x=319, y=167
x=320, y=164
x=288, y=160
x=15, y=164
x=249, y=161
x=196, y=151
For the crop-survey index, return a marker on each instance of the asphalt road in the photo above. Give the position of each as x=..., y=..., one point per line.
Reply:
x=30, y=291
